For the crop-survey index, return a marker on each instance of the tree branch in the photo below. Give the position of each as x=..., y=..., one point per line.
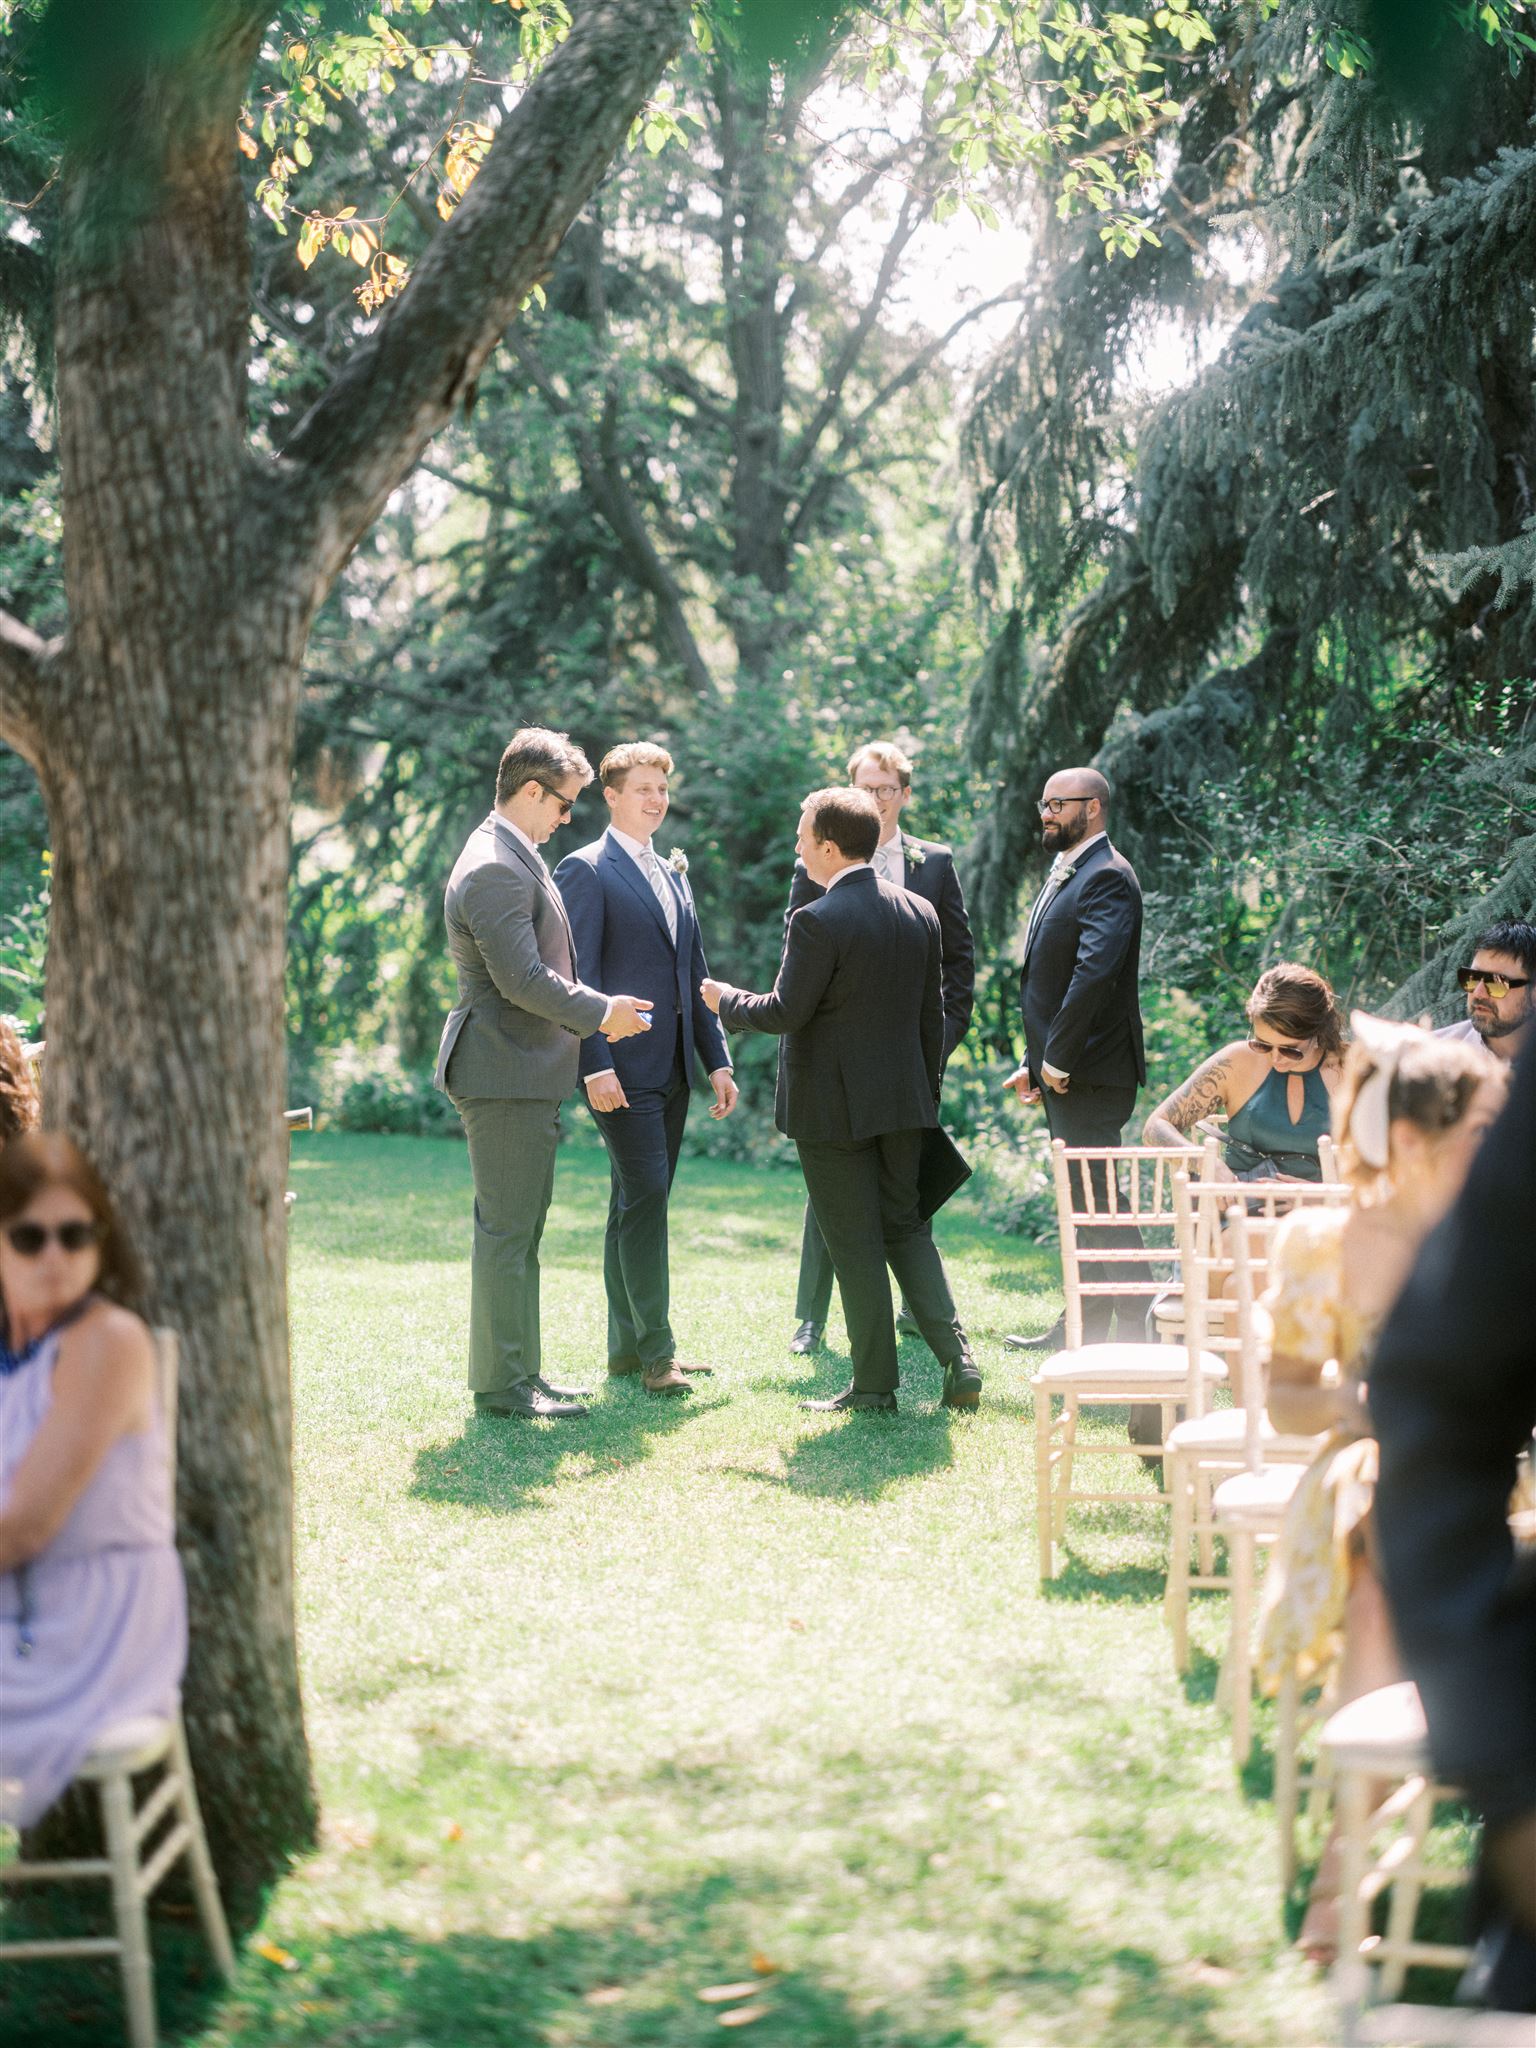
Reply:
x=26, y=660
x=401, y=385
x=602, y=473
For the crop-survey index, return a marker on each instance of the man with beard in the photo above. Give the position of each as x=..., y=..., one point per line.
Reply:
x=1500, y=987
x=1083, y=1057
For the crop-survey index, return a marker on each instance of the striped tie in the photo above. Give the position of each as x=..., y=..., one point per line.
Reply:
x=1053, y=882
x=662, y=890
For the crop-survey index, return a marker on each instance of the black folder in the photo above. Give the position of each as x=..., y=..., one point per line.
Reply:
x=941, y=1172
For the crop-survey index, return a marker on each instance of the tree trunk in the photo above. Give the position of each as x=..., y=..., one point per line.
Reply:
x=161, y=729
x=164, y=748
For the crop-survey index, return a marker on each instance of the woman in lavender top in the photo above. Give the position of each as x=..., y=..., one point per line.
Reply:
x=93, y=1627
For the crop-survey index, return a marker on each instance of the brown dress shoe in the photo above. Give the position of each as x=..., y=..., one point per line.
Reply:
x=664, y=1378
x=682, y=1365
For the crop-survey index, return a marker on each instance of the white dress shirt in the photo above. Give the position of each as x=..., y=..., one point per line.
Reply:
x=854, y=867
x=890, y=862
x=644, y=856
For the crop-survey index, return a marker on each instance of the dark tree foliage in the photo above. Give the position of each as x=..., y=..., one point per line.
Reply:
x=1287, y=607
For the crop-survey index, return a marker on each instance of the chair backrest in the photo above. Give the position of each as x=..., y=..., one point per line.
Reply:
x=1213, y=1318
x=1124, y=1196
x=167, y=1385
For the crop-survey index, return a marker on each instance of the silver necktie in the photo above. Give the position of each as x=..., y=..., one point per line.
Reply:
x=662, y=890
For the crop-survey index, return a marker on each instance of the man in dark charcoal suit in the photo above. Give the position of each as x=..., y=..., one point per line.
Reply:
x=509, y=1054
x=858, y=1004
x=1453, y=1403
x=636, y=927
x=1084, y=1058
x=928, y=870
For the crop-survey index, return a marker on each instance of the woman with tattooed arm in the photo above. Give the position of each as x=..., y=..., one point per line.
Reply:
x=1273, y=1087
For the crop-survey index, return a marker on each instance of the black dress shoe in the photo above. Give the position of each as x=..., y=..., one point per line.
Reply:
x=1055, y=1339
x=806, y=1339
x=851, y=1398
x=527, y=1400
x=962, y=1381
x=562, y=1393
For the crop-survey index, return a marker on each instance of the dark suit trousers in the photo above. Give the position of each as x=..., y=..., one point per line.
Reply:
x=864, y=1195
x=512, y=1157
x=643, y=1145
x=1098, y=1116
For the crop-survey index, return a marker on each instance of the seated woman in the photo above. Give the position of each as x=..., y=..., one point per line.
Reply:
x=19, y=1109
x=93, y=1625
x=1274, y=1087
x=1408, y=1117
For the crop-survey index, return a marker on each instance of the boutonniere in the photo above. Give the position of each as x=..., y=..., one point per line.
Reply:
x=915, y=854
x=677, y=861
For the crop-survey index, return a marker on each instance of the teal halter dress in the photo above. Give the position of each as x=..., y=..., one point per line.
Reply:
x=1263, y=1126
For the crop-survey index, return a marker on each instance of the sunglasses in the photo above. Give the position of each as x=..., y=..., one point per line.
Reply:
x=31, y=1238
x=1497, y=985
x=1279, y=1052
x=567, y=803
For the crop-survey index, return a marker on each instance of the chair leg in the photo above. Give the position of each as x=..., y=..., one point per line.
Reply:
x=1045, y=1512
x=1203, y=1523
x=1176, y=1593
x=1287, y=1775
x=1063, y=1497
x=1407, y=1887
x=128, y=1910
x=205, y=1884
x=1240, y=1645
x=1353, y=1809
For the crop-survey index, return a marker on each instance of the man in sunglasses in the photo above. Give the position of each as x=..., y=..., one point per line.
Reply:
x=1084, y=1058
x=1500, y=988
x=509, y=1056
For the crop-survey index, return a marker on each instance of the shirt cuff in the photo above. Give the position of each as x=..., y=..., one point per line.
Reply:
x=1052, y=1073
x=607, y=1015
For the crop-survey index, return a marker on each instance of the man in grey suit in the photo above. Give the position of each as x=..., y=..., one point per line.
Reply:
x=509, y=1053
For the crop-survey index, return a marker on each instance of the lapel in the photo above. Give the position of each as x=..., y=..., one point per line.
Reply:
x=538, y=871
x=1045, y=902
x=627, y=868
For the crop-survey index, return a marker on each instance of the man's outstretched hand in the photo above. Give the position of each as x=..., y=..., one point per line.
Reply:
x=712, y=991
x=1019, y=1082
x=626, y=1018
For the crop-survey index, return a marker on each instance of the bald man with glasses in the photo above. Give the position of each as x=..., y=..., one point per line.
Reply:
x=1084, y=1057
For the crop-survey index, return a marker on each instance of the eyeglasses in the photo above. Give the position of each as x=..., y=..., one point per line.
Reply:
x=31, y=1238
x=1054, y=805
x=884, y=792
x=1277, y=1051
x=1497, y=985
x=567, y=803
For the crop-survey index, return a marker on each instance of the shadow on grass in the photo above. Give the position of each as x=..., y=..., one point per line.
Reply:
x=1201, y=1679
x=1134, y=1585
x=627, y=1978
x=504, y=1463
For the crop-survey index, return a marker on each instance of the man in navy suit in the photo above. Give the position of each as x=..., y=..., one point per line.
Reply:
x=928, y=869
x=1084, y=1058
x=635, y=927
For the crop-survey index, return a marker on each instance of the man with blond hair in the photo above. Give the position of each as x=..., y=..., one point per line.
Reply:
x=636, y=927
x=509, y=1054
x=927, y=869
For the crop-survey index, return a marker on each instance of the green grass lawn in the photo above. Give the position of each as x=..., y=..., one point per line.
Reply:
x=606, y=1713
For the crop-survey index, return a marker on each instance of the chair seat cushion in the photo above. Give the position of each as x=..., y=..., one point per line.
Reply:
x=128, y=1745
x=1159, y=1365
x=1222, y=1430
x=1257, y=1499
x=1381, y=1731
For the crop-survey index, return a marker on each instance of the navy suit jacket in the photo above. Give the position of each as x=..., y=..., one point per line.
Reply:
x=931, y=874
x=622, y=944
x=1079, y=980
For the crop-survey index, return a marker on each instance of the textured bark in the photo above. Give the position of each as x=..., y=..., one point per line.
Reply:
x=162, y=728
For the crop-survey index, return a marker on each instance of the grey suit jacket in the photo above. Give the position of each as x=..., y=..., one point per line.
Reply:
x=517, y=1027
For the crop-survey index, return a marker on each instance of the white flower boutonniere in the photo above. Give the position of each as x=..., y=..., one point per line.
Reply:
x=677, y=861
x=915, y=854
